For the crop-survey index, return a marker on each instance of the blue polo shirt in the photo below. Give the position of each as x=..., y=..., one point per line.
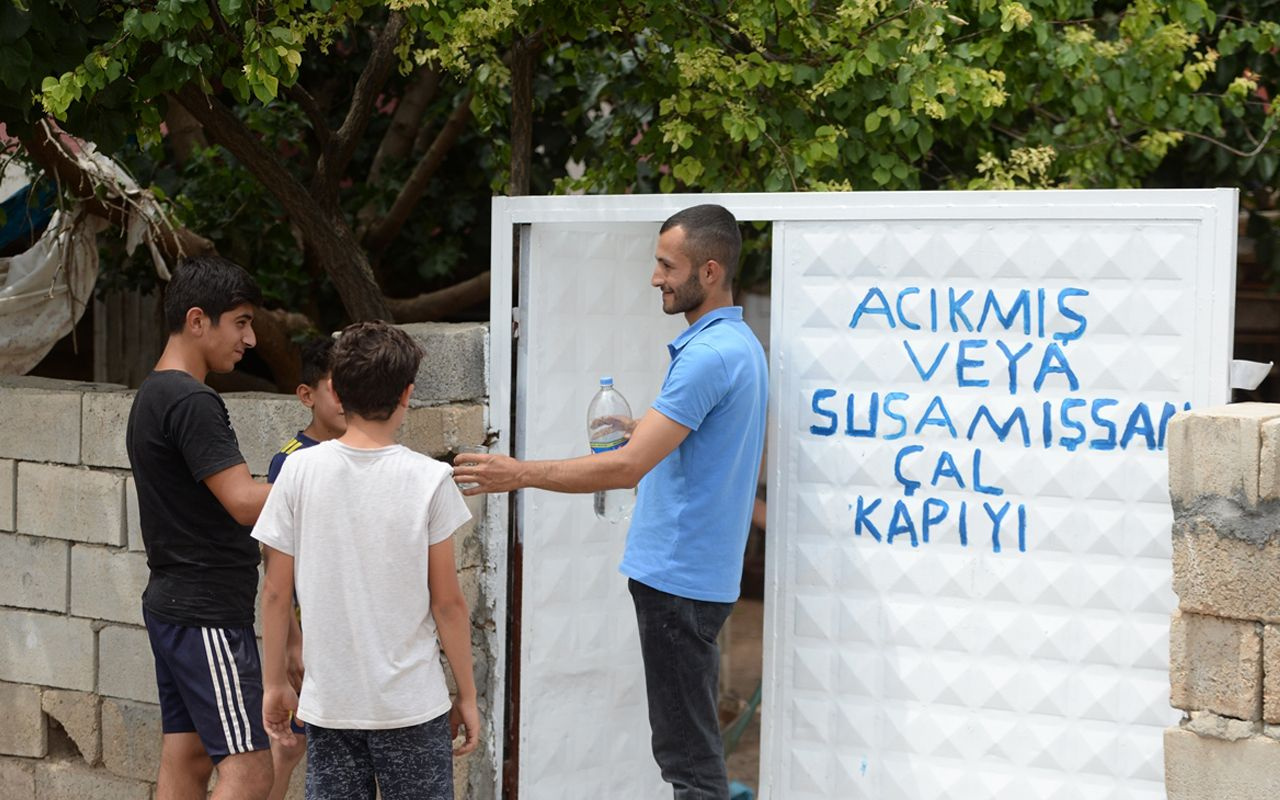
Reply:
x=693, y=512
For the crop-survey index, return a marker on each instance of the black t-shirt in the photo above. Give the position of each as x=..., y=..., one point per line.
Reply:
x=204, y=565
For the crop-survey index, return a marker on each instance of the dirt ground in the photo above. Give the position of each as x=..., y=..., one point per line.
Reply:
x=746, y=629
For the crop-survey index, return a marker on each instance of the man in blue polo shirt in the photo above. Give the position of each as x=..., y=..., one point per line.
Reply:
x=695, y=456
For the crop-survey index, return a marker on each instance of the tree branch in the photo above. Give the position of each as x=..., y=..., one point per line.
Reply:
x=376, y=70
x=44, y=148
x=398, y=140
x=311, y=108
x=434, y=305
x=382, y=234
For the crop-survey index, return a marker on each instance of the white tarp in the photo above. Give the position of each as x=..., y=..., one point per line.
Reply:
x=45, y=289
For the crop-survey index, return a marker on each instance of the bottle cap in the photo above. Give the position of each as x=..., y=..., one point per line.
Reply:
x=606, y=381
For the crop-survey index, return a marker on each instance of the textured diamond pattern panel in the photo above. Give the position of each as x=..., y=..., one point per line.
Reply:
x=1015, y=644
x=584, y=729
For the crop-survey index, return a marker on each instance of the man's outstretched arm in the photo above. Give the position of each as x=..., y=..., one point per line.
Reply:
x=654, y=438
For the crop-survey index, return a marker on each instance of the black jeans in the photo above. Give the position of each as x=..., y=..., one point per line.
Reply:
x=681, y=672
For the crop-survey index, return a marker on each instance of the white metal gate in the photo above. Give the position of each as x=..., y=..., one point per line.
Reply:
x=895, y=667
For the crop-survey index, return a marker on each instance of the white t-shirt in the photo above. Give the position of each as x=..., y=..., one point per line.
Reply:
x=358, y=524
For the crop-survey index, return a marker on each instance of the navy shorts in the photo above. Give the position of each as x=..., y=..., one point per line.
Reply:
x=210, y=682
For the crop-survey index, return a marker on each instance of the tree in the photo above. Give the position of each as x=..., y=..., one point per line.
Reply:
x=346, y=114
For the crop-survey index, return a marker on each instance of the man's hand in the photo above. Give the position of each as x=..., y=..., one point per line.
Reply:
x=614, y=423
x=480, y=473
x=278, y=706
x=465, y=714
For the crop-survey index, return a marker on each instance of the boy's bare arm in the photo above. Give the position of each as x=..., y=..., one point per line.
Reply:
x=279, y=697
x=453, y=624
x=239, y=493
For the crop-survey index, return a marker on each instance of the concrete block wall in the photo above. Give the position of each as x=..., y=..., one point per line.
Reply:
x=1224, y=649
x=77, y=683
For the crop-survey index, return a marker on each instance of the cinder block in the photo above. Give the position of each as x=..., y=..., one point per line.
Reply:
x=41, y=419
x=1201, y=768
x=17, y=779
x=8, y=491
x=1225, y=576
x=77, y=713
x=1269, y=476
x=1271, y=674
x=107, y=584
x=439, y=430
x=33, y=572
x=23, y=732
x=131, y=738
x=454, y=367
x=1207, y=723
x=104, y=418
x=132, y=516
x=126, y=666
x=46, y=649
x=82, y=505
x=263, y=422
x=469, y=538
x=65, y=780
x=1217, y=452
x=1215, y=665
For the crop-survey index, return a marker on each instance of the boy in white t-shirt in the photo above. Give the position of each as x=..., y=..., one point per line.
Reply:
x=363, y=528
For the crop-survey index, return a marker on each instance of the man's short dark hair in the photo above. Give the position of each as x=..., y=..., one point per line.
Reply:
x=372, y=363
x=710, y=234
x=317, y=360
x=210, y=283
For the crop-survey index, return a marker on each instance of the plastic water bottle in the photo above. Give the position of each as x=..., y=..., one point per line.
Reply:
x=608, y=421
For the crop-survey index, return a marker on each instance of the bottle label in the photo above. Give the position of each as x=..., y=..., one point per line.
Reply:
x=606, y=446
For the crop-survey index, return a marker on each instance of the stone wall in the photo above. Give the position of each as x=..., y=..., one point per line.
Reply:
x=78, y=713
x=1224, y=670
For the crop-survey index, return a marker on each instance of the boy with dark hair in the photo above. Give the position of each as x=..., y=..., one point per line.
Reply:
x=196, y=501
x=327, y=423
x=362, y=527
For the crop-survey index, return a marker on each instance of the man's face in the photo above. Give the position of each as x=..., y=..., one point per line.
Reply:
x=675, y=275
x=225, y=343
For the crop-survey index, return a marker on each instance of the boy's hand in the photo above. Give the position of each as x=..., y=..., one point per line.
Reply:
x=278, y=706
x=293, y=665
x=465, y=714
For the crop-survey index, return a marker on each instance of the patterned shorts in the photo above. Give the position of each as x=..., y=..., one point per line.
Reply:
x=414, y=763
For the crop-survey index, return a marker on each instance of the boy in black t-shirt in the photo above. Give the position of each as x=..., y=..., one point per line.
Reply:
x=327, y=422
x=196, y=501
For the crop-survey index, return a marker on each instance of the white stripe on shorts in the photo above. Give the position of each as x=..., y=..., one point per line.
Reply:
x=235, y=677
x=218, y=690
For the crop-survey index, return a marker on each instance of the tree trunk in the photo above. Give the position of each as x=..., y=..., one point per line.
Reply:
x=521, y=117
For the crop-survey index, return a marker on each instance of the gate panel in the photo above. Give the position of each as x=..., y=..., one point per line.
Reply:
x=588, y=311
x=969, y=533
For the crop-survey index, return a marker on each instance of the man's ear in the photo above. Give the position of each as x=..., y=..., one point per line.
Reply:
x=306, y=395
x=712, y=273
x=196, y=321
x=405, y=395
